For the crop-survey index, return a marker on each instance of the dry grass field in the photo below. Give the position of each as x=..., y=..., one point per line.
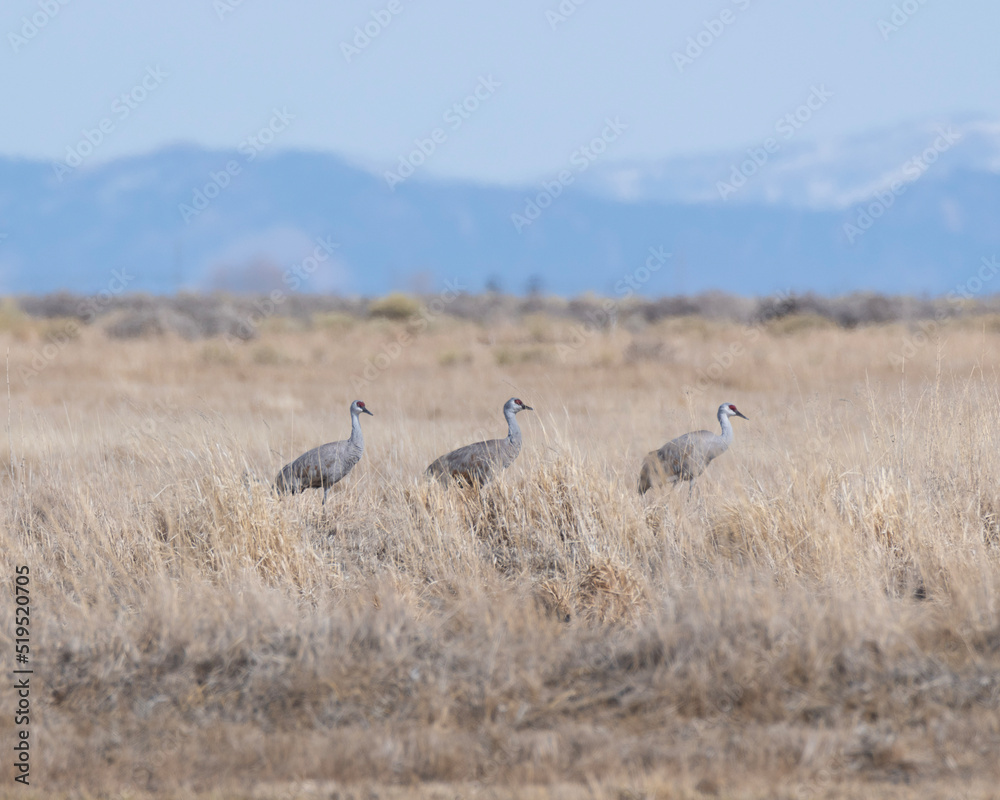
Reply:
x=821, y=619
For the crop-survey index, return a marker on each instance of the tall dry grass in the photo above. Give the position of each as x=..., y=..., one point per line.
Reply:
x=819, y=620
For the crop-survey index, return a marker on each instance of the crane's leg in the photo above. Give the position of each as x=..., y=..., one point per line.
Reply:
x=690, y=487
x=325, y=490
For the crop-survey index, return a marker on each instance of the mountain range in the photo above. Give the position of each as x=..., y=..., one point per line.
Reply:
x=908, y=210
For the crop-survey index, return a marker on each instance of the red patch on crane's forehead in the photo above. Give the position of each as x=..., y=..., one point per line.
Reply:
x=518, y=402
x=361, y=404
x=732, y=407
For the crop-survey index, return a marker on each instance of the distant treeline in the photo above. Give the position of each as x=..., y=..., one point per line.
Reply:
x=196, y=316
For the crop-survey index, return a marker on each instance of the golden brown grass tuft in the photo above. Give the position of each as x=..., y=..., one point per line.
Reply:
x=396, y=306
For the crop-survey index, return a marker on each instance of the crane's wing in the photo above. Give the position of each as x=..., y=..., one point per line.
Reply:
x=337, y=459
x=680, y=459
x=474, y=462
x=316, y=468
x=692, y=452
x=705, y=445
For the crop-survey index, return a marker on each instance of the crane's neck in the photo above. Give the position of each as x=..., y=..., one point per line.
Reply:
x=727, y=428
x=513, y=429
x=356, y=437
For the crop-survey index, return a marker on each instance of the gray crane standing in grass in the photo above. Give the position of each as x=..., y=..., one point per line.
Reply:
x=685, y=458
x=323, y=466
x=476, y=463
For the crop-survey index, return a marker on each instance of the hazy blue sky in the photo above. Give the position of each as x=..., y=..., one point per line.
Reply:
x=215, y=70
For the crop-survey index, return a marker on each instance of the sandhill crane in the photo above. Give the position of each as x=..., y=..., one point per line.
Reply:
x=323, y=466
x=476, y=463
x=685, y=458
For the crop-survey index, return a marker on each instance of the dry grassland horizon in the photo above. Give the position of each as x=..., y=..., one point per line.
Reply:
x=819, y=620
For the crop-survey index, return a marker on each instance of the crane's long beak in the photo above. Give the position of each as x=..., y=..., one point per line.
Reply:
x=370, y=414
x=526, y=408
x=741, y=414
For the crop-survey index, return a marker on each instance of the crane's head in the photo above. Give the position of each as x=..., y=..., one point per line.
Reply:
x=358, y=407
x=515, y=405
x=729, y=410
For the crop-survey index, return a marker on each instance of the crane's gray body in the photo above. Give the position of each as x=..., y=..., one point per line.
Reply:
x=323, y=466
x=687, y=456
x=477, y=463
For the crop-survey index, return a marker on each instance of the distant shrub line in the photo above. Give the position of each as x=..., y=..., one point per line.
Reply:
x=195, y=316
